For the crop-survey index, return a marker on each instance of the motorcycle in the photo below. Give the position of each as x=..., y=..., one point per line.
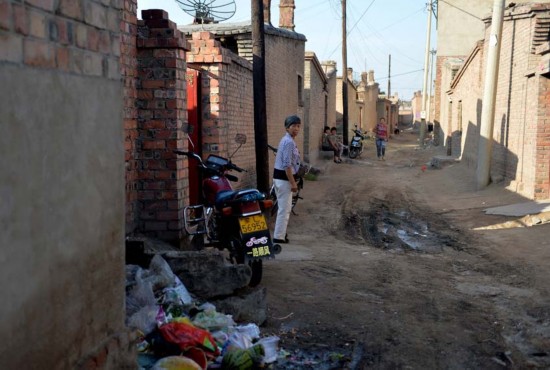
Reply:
x=228, y=218
x=356, y=145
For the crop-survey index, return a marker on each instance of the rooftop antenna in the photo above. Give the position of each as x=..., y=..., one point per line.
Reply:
x=208, y=11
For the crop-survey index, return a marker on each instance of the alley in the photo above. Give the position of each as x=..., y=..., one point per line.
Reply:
x=385, y=270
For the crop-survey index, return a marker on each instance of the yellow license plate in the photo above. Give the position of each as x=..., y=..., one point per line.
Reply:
x=252, y=224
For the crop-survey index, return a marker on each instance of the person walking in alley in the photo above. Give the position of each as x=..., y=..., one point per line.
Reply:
x=381, y=132
x=287, y=163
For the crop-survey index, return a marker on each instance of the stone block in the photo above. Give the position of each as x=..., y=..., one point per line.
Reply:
x=250, y=305
x=206, y=273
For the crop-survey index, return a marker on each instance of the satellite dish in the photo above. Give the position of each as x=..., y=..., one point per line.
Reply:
x=208, y=11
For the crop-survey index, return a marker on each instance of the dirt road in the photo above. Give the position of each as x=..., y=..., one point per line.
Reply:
x=394, y=267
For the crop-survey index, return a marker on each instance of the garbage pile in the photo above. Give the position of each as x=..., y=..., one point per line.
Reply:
x=178, y=331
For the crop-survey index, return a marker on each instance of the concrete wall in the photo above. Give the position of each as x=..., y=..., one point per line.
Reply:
x=315, y=107
x=62, y=186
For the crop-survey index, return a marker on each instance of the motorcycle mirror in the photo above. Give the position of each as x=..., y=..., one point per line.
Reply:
x=240, y=139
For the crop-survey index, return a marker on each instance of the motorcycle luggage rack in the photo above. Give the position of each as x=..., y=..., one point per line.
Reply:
x=195, y=219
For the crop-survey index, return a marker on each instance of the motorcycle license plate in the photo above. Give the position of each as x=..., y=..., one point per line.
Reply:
x=252, y=224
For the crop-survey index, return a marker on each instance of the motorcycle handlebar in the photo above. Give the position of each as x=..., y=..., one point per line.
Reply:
x=232, y=166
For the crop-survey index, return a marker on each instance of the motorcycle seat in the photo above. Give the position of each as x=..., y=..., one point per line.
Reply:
x=246, y=195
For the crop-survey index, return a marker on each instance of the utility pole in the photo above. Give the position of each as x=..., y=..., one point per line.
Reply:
x=344, y=75
x=389, y=77
x=260, y=115
x=429, y=113
x=425, y=84
x=483, y=171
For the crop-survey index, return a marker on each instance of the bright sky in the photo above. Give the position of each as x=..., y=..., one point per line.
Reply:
x=376, y=29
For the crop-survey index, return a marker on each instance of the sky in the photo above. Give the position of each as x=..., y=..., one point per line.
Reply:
x=376, y=29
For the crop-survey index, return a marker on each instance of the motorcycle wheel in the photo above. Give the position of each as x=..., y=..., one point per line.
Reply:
x=256, y=267
x=353, y=152
x=257, y=271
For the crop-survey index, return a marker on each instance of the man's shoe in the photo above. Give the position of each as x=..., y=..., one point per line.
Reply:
x=281, y=241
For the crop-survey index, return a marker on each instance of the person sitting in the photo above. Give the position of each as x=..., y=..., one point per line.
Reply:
x=336, y=144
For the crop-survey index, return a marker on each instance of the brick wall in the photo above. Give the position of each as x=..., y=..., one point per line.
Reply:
x=128, y=69
x=542, y=165
x=63, y=194
x=329, y=67
x=461, y=122
x=520, y=151
x=316, y=107
x=284, y=56
x=227, y=103
x=162, y=115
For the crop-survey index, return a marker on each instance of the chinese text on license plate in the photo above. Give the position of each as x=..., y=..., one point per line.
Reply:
x=252, y=224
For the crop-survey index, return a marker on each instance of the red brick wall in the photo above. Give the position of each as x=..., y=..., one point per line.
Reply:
x=128, y=68
x=162, y=189
x=227, y=103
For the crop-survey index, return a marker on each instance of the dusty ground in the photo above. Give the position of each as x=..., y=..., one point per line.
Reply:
x=385, y=270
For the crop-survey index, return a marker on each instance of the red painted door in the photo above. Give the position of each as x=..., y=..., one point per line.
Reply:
x=193, y=78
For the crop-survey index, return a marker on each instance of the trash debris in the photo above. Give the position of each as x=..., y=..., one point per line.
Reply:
x=176, y=331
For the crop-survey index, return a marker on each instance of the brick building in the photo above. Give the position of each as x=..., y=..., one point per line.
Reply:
x=316, y=107
x=355, y=105
x=329, y=68
x=284, y=66
x=521, y=150
x=368, y=91
x=62, y=213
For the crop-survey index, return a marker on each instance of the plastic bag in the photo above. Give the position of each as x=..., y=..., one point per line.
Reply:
x=160, y=274
x=212, y=320
x=187, y=336
x=145, y=319
x=270, y=345
x=237, y=340
x=177, y=294
x=251, y=329
x=140, y=295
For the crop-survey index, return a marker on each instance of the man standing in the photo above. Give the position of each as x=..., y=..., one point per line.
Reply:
x=381, y=131
x=287, y=163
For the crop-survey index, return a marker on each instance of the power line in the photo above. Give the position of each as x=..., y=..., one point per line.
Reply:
x=462, y=10
x=400, y=74
x=351, y=29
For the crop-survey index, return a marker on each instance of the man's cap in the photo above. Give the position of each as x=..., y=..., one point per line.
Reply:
x=291, y=120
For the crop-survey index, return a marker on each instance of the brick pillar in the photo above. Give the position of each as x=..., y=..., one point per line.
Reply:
x=128, y=70
x=162, y=117
x=286, y=14
x=207, y=53
x=542, y=167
